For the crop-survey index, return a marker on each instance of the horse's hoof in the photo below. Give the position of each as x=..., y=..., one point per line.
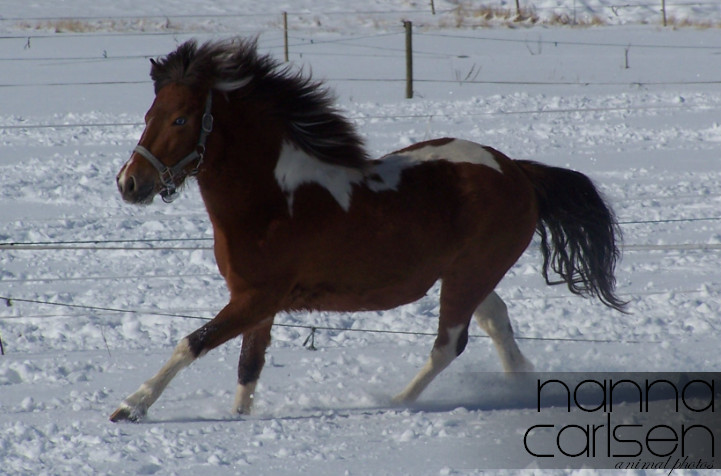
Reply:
x=240, y=411
x=524, y=366
x=401, y=400
x=126, y=413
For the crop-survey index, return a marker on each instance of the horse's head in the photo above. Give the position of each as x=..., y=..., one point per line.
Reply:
x=171, y=147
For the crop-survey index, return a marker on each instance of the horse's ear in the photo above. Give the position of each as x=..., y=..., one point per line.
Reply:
x=153, y=62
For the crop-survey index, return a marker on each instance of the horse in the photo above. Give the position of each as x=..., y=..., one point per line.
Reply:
x=303, y=219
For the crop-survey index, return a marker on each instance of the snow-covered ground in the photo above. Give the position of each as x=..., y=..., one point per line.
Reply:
x=633, y=105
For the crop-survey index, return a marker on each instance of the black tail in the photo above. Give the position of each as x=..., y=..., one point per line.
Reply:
x=583, y=232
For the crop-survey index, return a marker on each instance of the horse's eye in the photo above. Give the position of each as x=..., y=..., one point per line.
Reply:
x=180, y=121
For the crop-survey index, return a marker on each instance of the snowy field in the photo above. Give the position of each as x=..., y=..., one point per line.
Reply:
x=100, y=291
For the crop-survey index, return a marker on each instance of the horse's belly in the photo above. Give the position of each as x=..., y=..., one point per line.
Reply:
x=343, y=295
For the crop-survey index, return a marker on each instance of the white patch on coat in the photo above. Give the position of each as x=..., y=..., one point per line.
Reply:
x=386, y=172
x=457, y=151
x=295, y=168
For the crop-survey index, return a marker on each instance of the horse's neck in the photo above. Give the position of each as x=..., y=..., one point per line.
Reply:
x=237, y=181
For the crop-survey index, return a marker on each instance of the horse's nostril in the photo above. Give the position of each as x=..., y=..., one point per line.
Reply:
x=126, y=185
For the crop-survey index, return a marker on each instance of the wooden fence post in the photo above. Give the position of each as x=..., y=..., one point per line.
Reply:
x=285, y=36
x=408, y=25
x=626, y=64
x=433, y=7
x=518, y=9
x=663, y=12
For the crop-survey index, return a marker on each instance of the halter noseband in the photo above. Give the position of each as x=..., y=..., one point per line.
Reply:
x=168, y=174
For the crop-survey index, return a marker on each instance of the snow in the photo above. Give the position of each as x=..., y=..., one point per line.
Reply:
x=630, y=103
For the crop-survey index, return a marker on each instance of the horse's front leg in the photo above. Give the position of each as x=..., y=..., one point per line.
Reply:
x=250, y=364
x=241, y=315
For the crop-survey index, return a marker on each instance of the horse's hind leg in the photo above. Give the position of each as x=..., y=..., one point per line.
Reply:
x=456, y=310
x=250, y=364
x=492, y=316
x=449, y=345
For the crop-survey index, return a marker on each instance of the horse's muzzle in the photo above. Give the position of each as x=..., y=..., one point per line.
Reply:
x=134, y=190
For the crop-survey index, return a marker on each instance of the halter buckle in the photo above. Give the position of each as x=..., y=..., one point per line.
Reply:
x=169, y=192
x=207, y=123
x=167, y=177
x=169, y=195
x=201, y=154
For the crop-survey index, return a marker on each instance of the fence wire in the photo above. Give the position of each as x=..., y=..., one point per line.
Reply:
x=308, y=327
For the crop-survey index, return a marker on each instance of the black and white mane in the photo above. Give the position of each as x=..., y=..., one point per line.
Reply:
x=307, y=108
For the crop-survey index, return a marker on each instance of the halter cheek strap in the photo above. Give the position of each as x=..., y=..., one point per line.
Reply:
x=168, y=174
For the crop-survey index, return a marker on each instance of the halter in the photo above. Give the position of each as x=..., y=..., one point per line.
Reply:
x=168, y=174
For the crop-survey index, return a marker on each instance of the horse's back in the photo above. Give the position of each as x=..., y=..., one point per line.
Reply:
x=416, y=212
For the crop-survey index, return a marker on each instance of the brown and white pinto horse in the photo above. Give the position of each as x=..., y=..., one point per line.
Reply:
x=304, y=220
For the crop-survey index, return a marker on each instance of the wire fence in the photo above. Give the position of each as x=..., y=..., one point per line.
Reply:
x=309, y=46
x=311, y=328
x=371, y=49
x=525, y=11
x=182, y=244
x=395, y=117
x=151, y=245
x=623, y=84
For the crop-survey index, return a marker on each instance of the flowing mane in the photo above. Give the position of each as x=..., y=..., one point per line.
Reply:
x=313, y=124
